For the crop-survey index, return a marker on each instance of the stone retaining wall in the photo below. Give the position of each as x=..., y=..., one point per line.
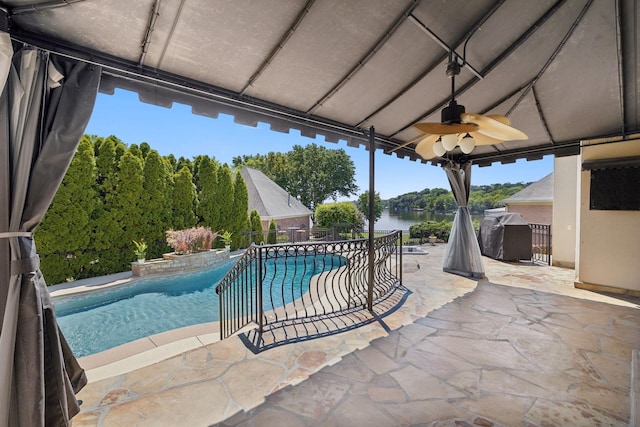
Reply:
x=172, y=263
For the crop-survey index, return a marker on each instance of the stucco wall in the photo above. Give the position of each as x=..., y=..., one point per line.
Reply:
x=609, y=248
x=565, y=200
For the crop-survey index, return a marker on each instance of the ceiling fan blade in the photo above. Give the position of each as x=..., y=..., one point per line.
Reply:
x=502, y=119
x=425, y=147
x=404, y=144
x=445, y=128
x=493, y=128
x=482, y=139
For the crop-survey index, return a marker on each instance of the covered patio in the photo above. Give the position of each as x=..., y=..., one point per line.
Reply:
x=520, y=347
x=362, y=72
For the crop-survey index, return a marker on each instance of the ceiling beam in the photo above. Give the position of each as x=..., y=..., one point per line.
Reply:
x=619, y=54
x=283, y=40
x=430, y=67
x=39, y=7
x=362, y=62
x=499, y=59
x=552, y=57
x=153, y=17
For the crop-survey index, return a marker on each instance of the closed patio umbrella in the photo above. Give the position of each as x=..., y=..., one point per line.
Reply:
x=45, y=106
x=463, y=255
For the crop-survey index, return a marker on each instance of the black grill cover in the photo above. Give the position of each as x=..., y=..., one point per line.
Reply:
x=505, y=236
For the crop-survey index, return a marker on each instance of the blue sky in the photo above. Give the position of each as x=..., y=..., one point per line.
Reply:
x=177, y=131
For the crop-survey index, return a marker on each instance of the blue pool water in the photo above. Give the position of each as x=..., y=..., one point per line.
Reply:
x=98, y=320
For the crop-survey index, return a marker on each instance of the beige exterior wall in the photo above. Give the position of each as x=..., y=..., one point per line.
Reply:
x=609, y=245
x=540, y=213
x=565, y=200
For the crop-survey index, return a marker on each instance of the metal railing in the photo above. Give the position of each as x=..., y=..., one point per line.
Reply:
x=541, y=243
x=279, y=283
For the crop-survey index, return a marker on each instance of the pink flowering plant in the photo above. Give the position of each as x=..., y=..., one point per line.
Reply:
x=191, y=240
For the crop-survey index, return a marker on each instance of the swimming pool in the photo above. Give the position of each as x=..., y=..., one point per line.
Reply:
x=99, y=320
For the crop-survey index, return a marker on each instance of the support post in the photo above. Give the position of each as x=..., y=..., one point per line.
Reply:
x=372, y=215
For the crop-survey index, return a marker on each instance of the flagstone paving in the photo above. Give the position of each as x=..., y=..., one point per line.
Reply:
x=520, y=348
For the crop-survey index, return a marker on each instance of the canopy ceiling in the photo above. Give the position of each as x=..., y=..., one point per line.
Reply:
x=562, y=70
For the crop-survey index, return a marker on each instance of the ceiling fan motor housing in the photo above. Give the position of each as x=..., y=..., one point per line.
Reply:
x=451, y=113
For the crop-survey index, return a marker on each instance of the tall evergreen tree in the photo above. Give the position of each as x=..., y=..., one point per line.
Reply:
x=128, y=203
x=224, y=196
x=157, y=204
x=67, y=229
x=239, y=211
x=106, y=227
x=272, y=237
x=121, y=220
x=257, y=232
x=208, y=210
x=184, y=200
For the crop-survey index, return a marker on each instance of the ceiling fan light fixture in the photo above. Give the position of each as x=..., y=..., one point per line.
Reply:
x=449, y=141
x=467, y=144
x=438, y=149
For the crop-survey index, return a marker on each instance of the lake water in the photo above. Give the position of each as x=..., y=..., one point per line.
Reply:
x=402, y=220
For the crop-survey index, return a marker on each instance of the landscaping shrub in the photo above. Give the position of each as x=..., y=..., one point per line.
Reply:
x=273, y=232
x=195, y=239
x=425, y=229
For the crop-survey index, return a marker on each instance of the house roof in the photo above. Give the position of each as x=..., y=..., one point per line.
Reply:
x=269, y=199
x=562, y=71
x=537, y=192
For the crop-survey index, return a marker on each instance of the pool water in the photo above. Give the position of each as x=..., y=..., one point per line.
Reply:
x=99, y=320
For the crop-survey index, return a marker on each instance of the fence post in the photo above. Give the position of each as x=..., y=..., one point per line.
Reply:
x=259, y=287
x=372, y=152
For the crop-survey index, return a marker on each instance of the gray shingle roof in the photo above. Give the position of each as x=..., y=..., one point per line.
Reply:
x=539, y=191
x=269, y=199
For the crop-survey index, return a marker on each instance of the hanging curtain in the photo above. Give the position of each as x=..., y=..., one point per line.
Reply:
x=463, y=255
x=45, y=106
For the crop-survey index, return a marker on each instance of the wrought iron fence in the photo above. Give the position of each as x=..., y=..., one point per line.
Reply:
x=280, y=283
x=541, y=243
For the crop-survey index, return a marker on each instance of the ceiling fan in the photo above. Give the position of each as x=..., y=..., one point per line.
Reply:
x=459, y=128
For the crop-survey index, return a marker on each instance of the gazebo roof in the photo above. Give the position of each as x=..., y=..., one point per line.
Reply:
x=562, y=71
x=269, y=199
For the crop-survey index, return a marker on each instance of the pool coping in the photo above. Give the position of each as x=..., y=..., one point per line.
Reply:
x=141, y=352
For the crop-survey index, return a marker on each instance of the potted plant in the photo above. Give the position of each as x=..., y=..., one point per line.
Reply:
x=140, y=250
x=226, y=239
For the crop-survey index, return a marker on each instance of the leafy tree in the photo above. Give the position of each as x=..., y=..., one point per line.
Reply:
x=257, y=233
x=312, y=173
x=330, y=214
x=316, y=174
x=67, y=229
x=184, y=200
x=155, y=199
x=208, y=209
x=274, y=165
x=272, y=236
x=363, y=205
x=239, y=211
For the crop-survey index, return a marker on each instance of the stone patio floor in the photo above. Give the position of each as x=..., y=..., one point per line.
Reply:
x=522, y=347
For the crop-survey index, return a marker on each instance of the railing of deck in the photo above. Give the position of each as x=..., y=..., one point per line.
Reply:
x=541, y=243
x=279, y=283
